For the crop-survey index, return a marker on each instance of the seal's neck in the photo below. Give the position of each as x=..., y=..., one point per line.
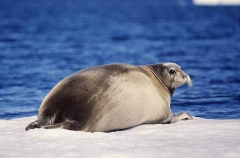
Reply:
x=153, y=74
x=157, y=71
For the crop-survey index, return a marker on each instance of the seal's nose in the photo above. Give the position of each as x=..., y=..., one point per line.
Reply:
x=184, y=76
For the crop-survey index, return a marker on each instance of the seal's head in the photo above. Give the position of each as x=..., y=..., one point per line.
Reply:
x=172, y=75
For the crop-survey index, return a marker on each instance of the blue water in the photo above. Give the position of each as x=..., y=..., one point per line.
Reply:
x=43, y=42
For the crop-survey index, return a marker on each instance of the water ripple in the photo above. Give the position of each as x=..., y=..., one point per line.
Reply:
x=41, y=43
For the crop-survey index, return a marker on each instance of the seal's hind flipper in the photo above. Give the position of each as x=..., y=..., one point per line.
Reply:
x=33, y=125
x=70, y=125
x=37, y=124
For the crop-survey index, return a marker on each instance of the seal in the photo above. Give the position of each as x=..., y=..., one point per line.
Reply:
x=113, y=97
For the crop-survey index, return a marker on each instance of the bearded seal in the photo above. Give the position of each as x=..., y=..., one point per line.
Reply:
x=113, y=97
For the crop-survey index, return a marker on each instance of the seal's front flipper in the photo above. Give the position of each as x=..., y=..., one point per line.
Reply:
x=182, y=116
x=70, y=125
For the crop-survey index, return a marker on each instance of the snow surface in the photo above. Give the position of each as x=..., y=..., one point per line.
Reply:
x=216, y=2
x=194, y=138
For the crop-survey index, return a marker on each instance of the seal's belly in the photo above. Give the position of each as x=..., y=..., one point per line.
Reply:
x=130, y=101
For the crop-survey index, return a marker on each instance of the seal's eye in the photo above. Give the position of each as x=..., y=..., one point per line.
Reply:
x=171, y=72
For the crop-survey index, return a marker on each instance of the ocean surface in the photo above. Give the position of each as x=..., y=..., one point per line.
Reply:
x=42, y=42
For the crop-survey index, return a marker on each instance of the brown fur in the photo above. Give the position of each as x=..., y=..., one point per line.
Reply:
x=73, y=102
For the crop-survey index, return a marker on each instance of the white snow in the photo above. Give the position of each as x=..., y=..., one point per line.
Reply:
x=201, y=138
x=216, y=2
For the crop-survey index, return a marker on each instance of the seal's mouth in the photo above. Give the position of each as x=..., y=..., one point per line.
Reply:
x=184, y=79
x=189, y=81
